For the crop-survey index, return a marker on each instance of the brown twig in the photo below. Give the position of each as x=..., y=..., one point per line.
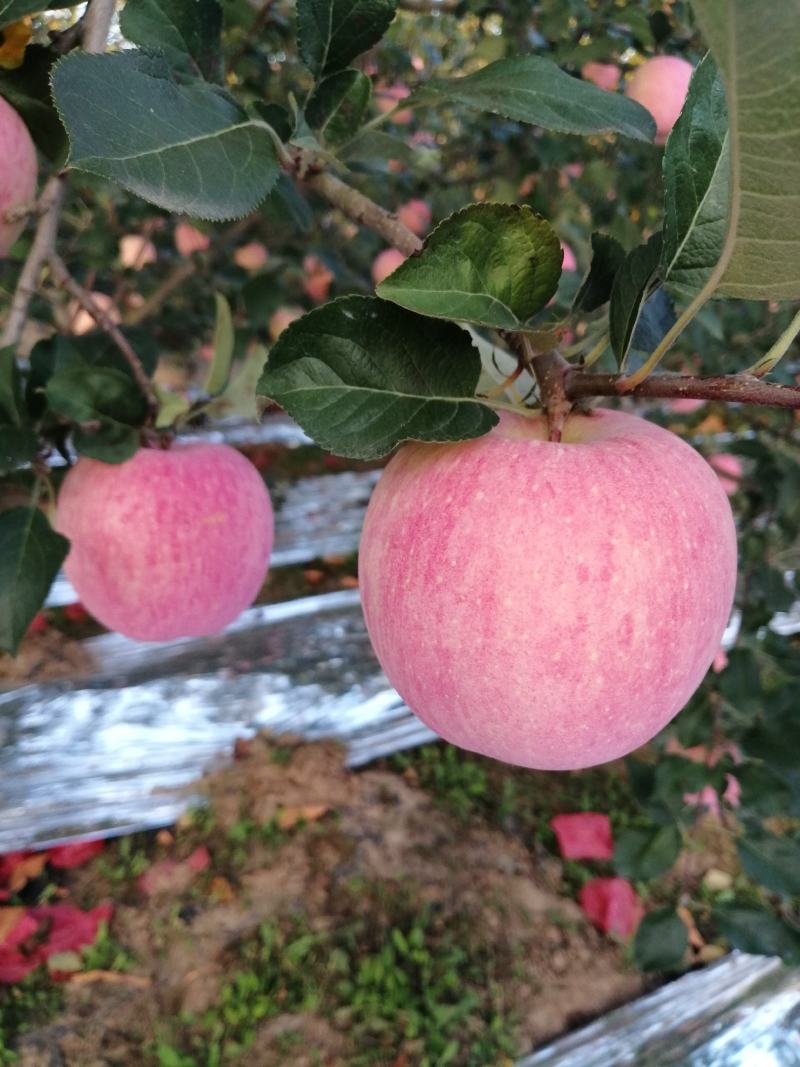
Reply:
x=730, y=388
x=63, y=278
x=364, y=211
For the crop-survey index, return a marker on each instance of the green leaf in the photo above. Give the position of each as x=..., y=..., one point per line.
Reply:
x=643, y=854
x=608, y=256
x=661, y=941
x=224, y=340
x=188, y=32
x=696, y=185
x=533, y=89
x=758, y=932
x=239, y=397
x=338, y=105
x=632, y=286
x=493, y=264
x=771, y=861
x=185, y=147
x=99, y=394
x=31, y=553
x=18, y=445
x=360, y=376
x=171, y=406
x=27, y=89
x=12, y=401
x=764, y=792
x=331, y=33
x=756, y=48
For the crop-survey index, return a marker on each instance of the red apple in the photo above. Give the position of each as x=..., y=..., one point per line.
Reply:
x=416, y=215
x=282, y=318
x=385, y=263
x=318, y=279
x=170, y=543
x=729, y=470
x=569, y=262
x=388, y=97
x=661, y=84
x=550, y=605
x=684, y=405
x=188, y=239
x=136, y=251
x=251, y=256
x=83, y=322
x=18, y=170
x=603, y=75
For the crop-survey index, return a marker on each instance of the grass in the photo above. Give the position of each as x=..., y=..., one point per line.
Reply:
x=514, y=799
x=391, y=976
x=23, y=1006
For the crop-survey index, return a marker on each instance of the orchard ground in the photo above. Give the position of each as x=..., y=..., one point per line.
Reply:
x=311, y=915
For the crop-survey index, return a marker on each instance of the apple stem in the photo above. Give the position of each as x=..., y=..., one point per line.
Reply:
x=549, y=369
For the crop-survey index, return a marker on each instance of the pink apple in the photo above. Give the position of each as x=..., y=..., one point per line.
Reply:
x=385, y=263
x=318, y=279
x=282, y=318
x=18, y=169
x=729, y=470
x=684, y=405
x=569, y=262
x=550, y=605
x=251, y=256
x=388, y=97
x=188, y=239
x=603, y=75
x=416, y=215
x=171, y=543
x=83, y=322
x=661, y=84
x=136, y=251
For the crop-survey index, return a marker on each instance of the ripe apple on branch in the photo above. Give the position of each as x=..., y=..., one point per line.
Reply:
x=527, y=559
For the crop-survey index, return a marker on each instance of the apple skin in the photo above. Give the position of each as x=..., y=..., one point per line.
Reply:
x=416, y=215
x=603, y=75
x=729, y=470
x=252, y=256
x=549, y=605
x=18, y=172
x=168, y=544
x=385, y=263
x=569, y=261
x=660, y=84
x=135, y=251
x=188, y=239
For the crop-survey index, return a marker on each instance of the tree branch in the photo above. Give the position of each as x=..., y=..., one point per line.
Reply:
x=730, y=388
x=364, y=211
x=63, y=278
x=96, y=24
x=43, y=244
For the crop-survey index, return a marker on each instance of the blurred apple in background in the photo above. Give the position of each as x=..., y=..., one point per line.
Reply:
x=318, y=279
x=603, y=75
x=18, y=172
x=385, y=262
x=416, y=215
x=281, y=318
x=136, y=251
x=188, y=239
x=661, y=84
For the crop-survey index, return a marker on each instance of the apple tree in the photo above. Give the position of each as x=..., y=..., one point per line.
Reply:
x=531, y=135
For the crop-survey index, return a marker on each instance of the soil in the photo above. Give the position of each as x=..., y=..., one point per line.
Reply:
x=338, y=870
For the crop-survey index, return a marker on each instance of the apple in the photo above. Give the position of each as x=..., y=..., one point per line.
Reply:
x=549, y=605
x=385, y=263
x=188, y=239
x=660, y=84
x=136, y=251
x=569, y=262
x=18, y=171
x=251, y=256
x=685, y=405
x=170, y=543
x=318, y=279
x=729, y=471
x=82, y=322
x=282, y=318
x=416, y=215
x=388, y=97
x=603, y=75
